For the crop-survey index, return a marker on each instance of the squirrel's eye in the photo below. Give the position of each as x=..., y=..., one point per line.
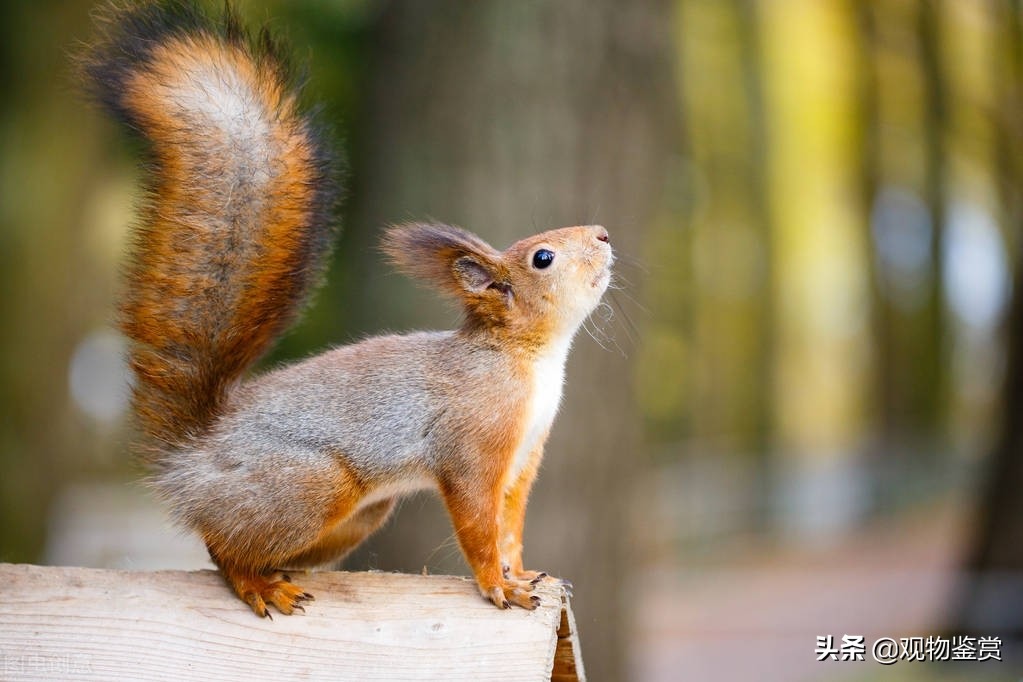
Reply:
x=542, y=259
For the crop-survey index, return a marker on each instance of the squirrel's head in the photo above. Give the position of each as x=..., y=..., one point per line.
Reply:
x=539, y=289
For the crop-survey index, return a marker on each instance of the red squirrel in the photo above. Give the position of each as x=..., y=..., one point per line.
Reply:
x=295, y=467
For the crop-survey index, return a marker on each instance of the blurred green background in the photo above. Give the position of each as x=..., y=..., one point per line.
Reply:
x=799, y=416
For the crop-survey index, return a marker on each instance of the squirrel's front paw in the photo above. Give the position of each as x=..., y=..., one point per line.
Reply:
x=535, y=577
x=512, y=592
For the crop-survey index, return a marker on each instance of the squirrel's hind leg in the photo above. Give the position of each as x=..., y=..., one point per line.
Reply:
x=300, y=535
x=259, y=589
x=338, y=541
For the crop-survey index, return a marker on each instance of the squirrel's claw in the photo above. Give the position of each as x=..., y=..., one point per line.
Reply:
x=537, y=577
x=511, y=592
x=259, y=590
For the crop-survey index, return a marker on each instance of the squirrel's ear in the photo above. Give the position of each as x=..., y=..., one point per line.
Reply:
x=473, y=275
x=448, y=257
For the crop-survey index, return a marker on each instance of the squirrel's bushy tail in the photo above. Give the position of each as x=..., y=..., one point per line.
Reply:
x=237, y=220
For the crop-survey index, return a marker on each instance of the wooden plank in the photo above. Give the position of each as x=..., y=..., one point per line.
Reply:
x=93, y=624
x=568, y=660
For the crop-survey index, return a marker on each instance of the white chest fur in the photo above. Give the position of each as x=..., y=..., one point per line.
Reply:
x=545, y=396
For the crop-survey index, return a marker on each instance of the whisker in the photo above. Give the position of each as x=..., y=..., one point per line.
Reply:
x=593, y=336
x=631, y=260
x=454, y=552
x=446, y=543
x=605, y=313
x=632, y=299
x=628, y=335
x=599, y=330
x=620, y=278
x=631, y=330
x=605, y=306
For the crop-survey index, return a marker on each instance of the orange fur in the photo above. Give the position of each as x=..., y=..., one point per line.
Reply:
x=513, y=517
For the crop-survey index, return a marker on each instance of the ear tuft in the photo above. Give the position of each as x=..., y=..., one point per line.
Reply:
x=448, y=257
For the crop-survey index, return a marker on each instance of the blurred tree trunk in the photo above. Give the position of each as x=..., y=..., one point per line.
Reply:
x=932, y=383
x=508, y=119
x=868, y=129
x=751, y=60
x=992, y=602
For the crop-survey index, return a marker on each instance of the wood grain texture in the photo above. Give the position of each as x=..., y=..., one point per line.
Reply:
x=568, y=661
x=92, y=624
